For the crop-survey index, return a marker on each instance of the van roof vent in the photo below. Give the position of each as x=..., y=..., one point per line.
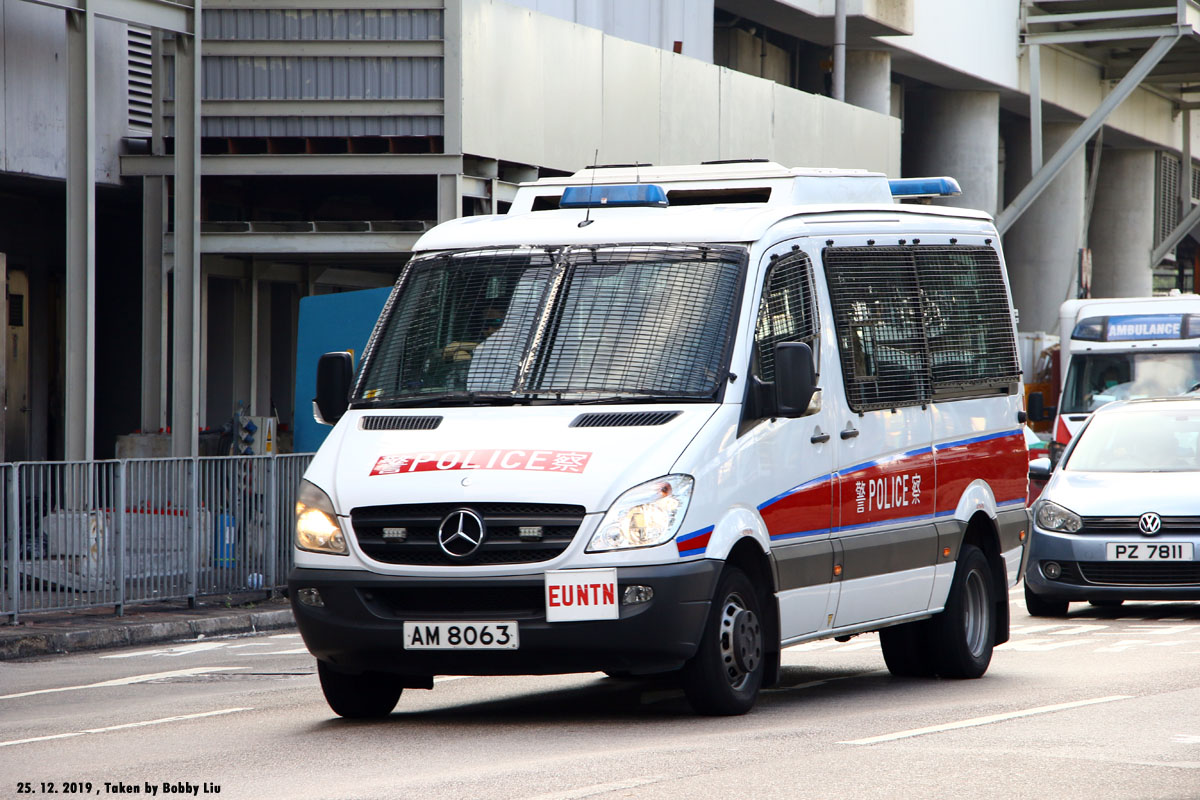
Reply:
x=624, y=419
x=400, y=423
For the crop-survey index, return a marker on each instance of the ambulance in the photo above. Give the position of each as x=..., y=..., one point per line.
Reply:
x=1124, y=348
x=670, y=421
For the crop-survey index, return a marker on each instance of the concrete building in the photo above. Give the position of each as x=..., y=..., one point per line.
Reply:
x=174, y=176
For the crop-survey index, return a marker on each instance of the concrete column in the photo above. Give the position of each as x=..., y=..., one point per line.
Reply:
x=1042, y=246
x=955, y=134
x=80, y=381
x=1122, y=230
x=869, y=80
x=154, y=304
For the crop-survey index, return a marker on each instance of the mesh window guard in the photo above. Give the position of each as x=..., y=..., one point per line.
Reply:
x=968, y=323
x=880, y=325
x=573, y=323
x=787, y=311
x=921, y=322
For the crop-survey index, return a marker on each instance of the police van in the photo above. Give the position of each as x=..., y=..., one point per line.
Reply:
x=671, y=421
x=1123, y=348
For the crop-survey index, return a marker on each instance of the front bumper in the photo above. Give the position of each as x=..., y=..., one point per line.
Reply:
x=1088, y=575
x=360, y=627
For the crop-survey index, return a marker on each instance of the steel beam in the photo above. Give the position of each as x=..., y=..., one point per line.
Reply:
x=1088, y=36
x=1035, y=109
x=301, y=243
x=154, y=304
x=80, y=378
x=187, y=327
x=1181, y=230
x=1085, y=131
x=334, y=164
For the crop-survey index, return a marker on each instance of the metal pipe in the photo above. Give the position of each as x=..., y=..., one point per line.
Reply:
x=839, y=51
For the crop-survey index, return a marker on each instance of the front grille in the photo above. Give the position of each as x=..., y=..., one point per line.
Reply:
x=1163, y=573
x=502, y=545
x=458, y=602
x=1124, y=526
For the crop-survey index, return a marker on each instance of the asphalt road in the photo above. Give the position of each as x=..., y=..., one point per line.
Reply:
x=1104, y=704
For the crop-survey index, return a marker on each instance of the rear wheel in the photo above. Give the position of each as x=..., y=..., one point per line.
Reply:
x=907, y=649
x=964, y=633
x=1038, y=606
x=371, y=695
x=724, y=676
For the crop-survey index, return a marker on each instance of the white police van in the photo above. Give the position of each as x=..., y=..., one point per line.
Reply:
x=671, y=420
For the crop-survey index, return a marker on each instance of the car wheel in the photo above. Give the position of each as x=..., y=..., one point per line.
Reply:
x=964, y=633
x=370, y=695
x=1044, y=607
x=907, y=649
x=724, y=676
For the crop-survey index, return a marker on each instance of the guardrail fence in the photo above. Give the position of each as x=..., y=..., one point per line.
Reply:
x=85, y=534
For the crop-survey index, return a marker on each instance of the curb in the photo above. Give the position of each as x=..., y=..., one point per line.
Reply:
x=54, y=642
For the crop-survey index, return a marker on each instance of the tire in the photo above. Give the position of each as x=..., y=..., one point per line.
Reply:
x=964, y=633
x=1044, y=607
x=370, y=695
x=907, y=649
x=724, y=676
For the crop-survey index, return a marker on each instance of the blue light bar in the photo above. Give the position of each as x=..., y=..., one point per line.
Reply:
x=924, y=187
x=630, y=195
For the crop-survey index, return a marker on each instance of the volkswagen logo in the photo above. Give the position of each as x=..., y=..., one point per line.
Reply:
x=1149, y=523
x=461, y=533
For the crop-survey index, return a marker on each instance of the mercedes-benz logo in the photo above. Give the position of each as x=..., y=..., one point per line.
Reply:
x=1149, y=523
x=461, y=533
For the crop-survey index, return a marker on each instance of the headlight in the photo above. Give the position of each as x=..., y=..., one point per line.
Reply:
x=644, y=516
x=317, y=529
x=1054, y=517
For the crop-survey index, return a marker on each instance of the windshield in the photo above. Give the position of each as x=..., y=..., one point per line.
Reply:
x=568, y=324
x=1150, y=440
x=1098, y=378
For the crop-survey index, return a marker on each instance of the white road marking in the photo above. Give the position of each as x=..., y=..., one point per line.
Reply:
x=153, y=676
x=127, y=725
x=597, y=788
x=178, y=650
x=1039, y=645
x=258, y=654
x=977, y=721
x=1185, y=738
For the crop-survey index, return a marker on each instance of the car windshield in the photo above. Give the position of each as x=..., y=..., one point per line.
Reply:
x=1142, y=440
x=1098, y=378
x=571, y=324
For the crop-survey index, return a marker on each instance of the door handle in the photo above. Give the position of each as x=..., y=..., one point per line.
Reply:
x=819, y=438
x=849, y=433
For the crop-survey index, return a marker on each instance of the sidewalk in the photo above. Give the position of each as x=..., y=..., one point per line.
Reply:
x=41, y=634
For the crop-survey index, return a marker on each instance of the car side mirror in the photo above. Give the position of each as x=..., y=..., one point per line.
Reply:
x=1040, y=469
x=795, y=379
x=334, y=373
x=1037, y=407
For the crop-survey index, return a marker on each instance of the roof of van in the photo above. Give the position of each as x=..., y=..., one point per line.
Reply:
x=719, y=202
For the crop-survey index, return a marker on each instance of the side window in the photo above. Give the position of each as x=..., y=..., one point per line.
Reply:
x=787, y=312
x=968, y=321
x=880, y=326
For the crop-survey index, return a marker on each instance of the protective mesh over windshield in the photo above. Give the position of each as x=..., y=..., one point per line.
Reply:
x=647, y=320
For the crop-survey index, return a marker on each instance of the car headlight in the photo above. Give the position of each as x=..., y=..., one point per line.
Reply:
x=1054, y=517
x=645, y=516
x=317, y=529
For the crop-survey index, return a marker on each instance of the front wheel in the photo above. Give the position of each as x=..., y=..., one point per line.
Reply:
x=724, y=676
x=371, y=695
x=964, y=633
x=1039, y=606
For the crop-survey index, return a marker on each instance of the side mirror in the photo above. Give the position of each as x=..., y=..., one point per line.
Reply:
x=1040, y=469
x=795, y=378
x=1037, y=407
x=334, y=373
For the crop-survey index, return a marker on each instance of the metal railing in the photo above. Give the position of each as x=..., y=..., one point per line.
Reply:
x=87, y=534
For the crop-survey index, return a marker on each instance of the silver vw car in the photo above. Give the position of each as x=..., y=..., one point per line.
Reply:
x=1120, y=518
